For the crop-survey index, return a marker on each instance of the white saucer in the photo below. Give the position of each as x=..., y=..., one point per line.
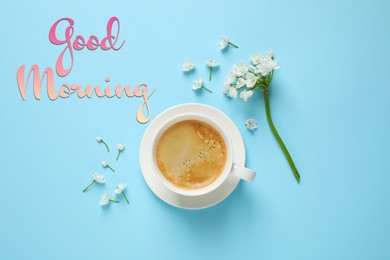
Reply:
x=196, y=202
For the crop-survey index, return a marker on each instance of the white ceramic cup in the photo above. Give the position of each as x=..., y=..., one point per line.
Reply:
x=230, y=169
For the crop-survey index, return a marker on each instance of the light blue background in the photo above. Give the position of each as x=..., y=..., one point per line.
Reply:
x=329, y=101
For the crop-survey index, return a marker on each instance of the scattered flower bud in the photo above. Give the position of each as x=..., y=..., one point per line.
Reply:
x=105, y=199
x=198, y=83
x=100, y=140
x=187, y=66
x=211, y=64
x=96, y=178
x=251, y=124
x=224, y=42
x=105, y=165
x=121, y=147
x=120, y=190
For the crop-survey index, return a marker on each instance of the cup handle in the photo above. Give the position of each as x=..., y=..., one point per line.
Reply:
x=243, y=173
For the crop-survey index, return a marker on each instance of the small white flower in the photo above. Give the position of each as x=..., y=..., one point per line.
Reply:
x=121, y=147
x=96, y=178
x=228, y=82
x=265, y=67
x=251, y=124
x=250, y=80
x=246, y=94
x=197, y=84
x=120, y=190
x=232, y=92
x=270, y=53
x=256, y=59
x=275, y=64
x=231, y=78
x=223, y=43
x=100, y=140
x=211, y=63
x=226, y=87
x=240, y=69
x=105, y=199
x=265, y=64
x=251, y=68
x=188, y=66
x=105, y=165
x=240, y=83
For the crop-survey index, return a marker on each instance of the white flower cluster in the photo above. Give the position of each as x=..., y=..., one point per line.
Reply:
x=264, y=64
x=249, y=76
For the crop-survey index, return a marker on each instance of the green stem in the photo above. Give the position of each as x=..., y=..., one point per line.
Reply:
x=89, y=186
x=207, y=89
x=119, y=152
x=125, y=197
x=109, y=167
x=232, y=44
x=211, y=73
x=285, y=151
x=114, y=201
x=108, y=149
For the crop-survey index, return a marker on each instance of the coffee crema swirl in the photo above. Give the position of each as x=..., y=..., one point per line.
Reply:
x=191, y=154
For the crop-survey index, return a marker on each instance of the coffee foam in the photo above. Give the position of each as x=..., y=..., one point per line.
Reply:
x=191, y=154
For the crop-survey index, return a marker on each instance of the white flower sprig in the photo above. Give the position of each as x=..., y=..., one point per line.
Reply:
x=120, y=190
x=105, y=199
x=211, y=64
x=251, y=124
x=106, y=165
x=187, y=66
x=97, y=178
x=121, y=147
x=198, y=83
x=100, y=140
x=224, y=42
x=258, y=75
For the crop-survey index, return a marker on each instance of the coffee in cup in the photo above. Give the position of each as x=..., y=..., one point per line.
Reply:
x=191, y=154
